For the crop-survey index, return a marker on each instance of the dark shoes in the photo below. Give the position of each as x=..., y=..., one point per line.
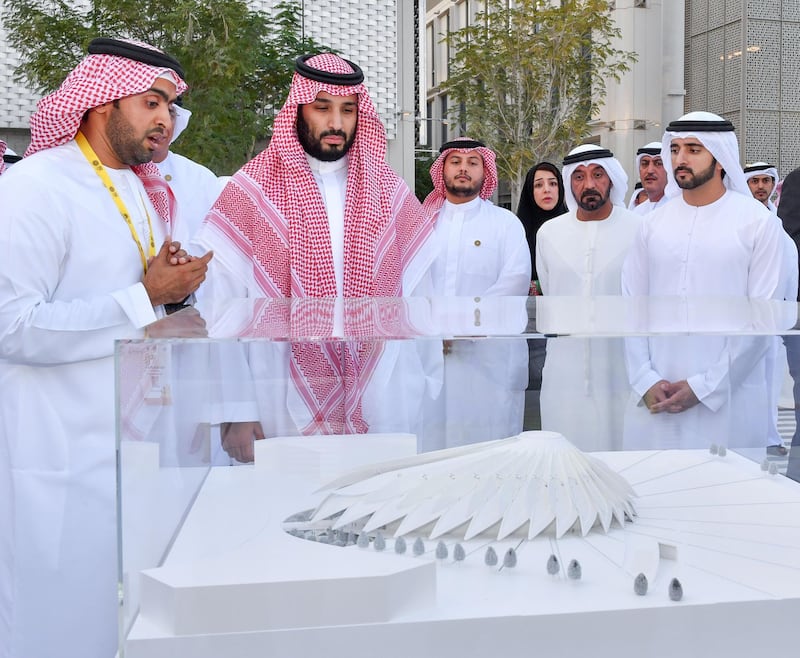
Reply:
x=777, y=451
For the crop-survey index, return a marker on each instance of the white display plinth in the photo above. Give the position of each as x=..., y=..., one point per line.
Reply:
x=235, y=584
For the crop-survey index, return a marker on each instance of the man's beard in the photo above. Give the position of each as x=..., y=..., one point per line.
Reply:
x=314, y=146
x=696, y=180
x=128, y=149
x=466, y=190
x=592, y=200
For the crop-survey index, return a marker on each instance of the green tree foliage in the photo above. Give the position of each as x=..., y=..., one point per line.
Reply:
x=528, y=78
x=423, y=185
x=238, y=62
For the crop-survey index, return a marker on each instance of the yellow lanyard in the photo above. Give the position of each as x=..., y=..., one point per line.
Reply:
x=100, y=170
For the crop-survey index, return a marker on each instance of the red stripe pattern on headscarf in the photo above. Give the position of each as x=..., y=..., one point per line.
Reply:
x=336, y=372
x=3, y=148
x=435, y=200
x=272, y=211
x=96, y=80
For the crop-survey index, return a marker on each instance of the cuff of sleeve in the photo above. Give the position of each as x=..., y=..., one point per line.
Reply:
x=233, y=412
x=703, y=393
x=644, y=382
x=135, y=302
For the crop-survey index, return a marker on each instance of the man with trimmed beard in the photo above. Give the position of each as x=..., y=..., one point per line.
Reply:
x=320, y=215
x=581, y=253
x=84, y=225
x=762, y=178
x=482, y=252
x=653, y=176
x=712, y=241
x=478, y=246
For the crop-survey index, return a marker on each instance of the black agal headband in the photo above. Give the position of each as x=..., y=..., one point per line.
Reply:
x=461, y=144
x=648, y=151
x=118, y=48
x=583, y=156
x=758, y=167
x=340, y=79
x=700, y=126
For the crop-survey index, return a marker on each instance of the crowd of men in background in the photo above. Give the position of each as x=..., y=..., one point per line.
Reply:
x=94, y=227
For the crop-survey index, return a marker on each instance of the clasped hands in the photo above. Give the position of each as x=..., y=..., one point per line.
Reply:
x=173, y=274
x=672, y=397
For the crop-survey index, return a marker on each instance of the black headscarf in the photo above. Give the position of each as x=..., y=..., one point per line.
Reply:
x=531, y=215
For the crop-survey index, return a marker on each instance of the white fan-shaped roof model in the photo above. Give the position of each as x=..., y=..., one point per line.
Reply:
x=534, y=482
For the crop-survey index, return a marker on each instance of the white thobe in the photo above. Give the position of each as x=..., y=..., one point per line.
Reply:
x=405, y=372
x=195, y=187
x=648, y=206
x=584, y=386
x=479, y=251
x=729, y=248
x=174, y=420
x=482, y=253
x=69, y=286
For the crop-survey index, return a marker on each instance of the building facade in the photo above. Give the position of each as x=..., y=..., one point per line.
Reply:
x=736, y=58
x=635, y=108
x=742, y=63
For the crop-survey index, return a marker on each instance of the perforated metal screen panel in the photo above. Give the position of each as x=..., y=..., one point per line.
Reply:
x=762, y=143
x=756, y=80
x=763, y=65
x=698, y=96
x=716, y=71
x=716, y=13
x=697, y=11
x=790, y=144
x=733, y=66
x=764, y=9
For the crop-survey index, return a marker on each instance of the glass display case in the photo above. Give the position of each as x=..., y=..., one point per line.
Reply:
x=458, y=477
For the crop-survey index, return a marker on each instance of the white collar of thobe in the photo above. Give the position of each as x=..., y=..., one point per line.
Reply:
x=449, y=209
x=714, y=204
x=165, y=166
x=322, y=168
x=591, y=225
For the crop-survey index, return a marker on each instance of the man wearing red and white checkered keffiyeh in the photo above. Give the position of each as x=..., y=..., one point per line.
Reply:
x=482, y=253
x=81, y=267
x=318, y=214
